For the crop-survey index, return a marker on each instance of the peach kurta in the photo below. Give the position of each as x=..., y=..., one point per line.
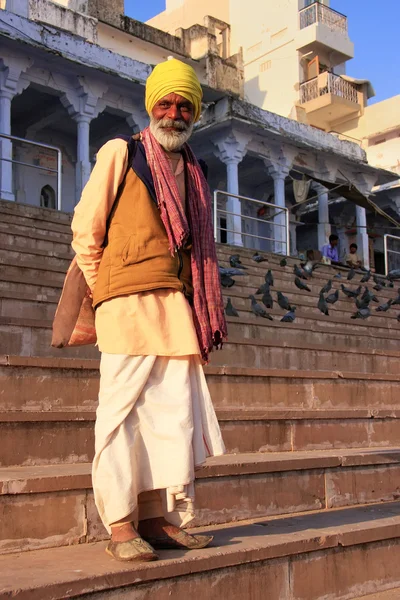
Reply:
x=157, y=323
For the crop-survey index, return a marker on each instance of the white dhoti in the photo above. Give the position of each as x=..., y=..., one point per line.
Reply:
x=155, y=424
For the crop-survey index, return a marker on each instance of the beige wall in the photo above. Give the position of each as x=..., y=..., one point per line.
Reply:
x=378, y=130
x=190, y=12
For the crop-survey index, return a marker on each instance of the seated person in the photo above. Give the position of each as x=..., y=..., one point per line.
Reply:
x=352, y=259
x=330, y=251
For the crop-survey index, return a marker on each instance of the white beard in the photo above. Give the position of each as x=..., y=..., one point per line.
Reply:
x=170, y=140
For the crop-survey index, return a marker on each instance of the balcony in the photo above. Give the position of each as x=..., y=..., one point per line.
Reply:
x=328, y=98
x=322, y=28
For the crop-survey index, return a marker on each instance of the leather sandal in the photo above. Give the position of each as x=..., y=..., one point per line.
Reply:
x=136, y=550
x=179, y=541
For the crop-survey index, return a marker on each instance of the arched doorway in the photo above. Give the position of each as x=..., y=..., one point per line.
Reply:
x=47, y=197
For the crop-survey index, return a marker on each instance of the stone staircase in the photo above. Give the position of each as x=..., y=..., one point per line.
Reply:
x=305, y=504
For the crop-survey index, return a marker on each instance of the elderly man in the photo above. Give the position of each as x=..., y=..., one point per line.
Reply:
x=144, y=241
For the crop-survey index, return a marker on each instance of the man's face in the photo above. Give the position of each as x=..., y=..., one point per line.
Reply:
x=353, y=250
x=171, y=121
x=334, y=243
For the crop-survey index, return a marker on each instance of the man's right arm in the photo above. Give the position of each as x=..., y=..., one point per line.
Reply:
x=90, y=216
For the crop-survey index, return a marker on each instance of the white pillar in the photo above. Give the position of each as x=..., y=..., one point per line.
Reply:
x=362, y=235
x=233, y=205
x=324, y=228
x=83, y=166
x=280, y=219
x=6, y=171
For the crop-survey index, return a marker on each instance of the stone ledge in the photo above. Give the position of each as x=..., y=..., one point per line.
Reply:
x=52, y=574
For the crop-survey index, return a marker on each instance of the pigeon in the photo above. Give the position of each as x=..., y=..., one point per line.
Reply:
x=230, y=310
x=230, y=272
x=258, y=310
x=378, y=287
x=370, y=295
x=262, y=289
x=362, y=313
x=235, y=262
x=283, y=262
x=396, y=300
x=365, y=278
x=379, y=281
x=351, y=274
x=384, y=307
x=351, y=293
x=363, y=303
x=258, y=258
x=267, y=299
x=322, y=305
x=332, y=298
x=227, y=281
x=302, y=286
x=269, y=278
x=390, y=284
x=338, y=276
x=299, y=272
x=393, y=275
x=327, y=287
x=290, y=316
x=283, y=301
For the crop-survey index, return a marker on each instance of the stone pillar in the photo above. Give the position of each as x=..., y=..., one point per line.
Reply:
x=231, y=151
x=11, y=84
x=324, y=227
x=362, y=235
x=279, y=175
x=234, y=205
x=83, y=166
x=6, y=170
x=84, y=101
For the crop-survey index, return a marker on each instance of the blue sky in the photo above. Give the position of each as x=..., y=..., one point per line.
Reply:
x=374, y=27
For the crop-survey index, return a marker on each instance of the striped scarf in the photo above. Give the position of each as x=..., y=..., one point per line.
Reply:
x=208, y=308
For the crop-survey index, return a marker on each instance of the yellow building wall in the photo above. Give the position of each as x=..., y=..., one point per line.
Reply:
x=190, y=12
x=379, y=123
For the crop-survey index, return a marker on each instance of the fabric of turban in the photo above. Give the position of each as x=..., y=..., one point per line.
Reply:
x=173, y=76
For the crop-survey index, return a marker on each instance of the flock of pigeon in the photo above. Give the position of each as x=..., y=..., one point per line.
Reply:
x=301, y=275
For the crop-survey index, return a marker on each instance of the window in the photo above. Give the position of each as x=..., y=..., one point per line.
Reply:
x=47, y=197
x=265, y=66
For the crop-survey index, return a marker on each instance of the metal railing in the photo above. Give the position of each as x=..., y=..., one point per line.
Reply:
x=388, y=251
x=328, y=83
x=320, y=13
x=58, y=170
x=237, y=236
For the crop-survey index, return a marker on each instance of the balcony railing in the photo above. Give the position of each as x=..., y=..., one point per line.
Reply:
x=328, y=83
x=319, y=13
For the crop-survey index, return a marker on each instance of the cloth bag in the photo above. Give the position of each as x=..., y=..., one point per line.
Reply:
x=74, y=321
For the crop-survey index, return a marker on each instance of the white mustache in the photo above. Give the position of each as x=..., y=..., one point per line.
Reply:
x=178, y=125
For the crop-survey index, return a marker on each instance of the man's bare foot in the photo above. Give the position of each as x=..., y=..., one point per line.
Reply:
x=150, y=528
x=163, y=535
x=123, y=533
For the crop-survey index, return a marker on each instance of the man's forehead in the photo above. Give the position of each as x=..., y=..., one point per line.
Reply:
x=175, y=98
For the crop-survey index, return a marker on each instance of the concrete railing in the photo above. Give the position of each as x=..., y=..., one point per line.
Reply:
x=328, y=83
x=319, y=13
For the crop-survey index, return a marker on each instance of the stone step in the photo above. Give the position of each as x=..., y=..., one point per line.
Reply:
x=50, y=384
x=38, y=225
x=19, y=211
x=32, y=336
x=35, y=259
x=393, y=594
x=234, y=487
x=22, y=298
x=32, y=438
x=26, y=237
x=329, y=555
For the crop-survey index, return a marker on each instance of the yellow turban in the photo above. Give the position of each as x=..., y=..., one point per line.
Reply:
x=173, y=76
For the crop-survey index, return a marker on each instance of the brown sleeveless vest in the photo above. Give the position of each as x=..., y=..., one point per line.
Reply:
x=136, y=257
